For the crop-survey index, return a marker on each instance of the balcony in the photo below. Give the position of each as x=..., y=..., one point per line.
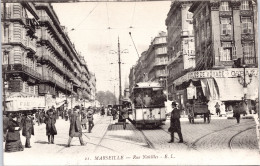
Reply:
x=160, y=63
x=53, y=80
x=27, y=43
x=246, y=13
x=247, y=36
x=17, y=68
x=225, y=13
x=161, y=74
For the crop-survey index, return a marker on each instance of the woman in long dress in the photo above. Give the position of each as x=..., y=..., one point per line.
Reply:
x=13, y=139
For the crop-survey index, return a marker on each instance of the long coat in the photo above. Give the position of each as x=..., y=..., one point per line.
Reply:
x=12, y=134
x=175, y=120
x=75, y=125
x=50, y=121
x=27, y=125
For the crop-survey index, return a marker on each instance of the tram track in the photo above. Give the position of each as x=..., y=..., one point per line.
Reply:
x=230, y=142
x=193, y=144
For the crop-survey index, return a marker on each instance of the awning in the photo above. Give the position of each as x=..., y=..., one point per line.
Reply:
x=231, y=89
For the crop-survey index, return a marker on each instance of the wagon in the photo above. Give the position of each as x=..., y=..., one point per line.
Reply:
x=200, y=109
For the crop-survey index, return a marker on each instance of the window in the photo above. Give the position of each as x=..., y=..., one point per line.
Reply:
x=224, y=6
x=248, y=53
x=225, y=26
x=225, y=54
x=244, y=5
x=247, y=26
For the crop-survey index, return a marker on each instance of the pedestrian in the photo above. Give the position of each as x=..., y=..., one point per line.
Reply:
x=5, y=125
x=13, y=140
x=102, y=111
x=75, y=127
x=236, y=112
x=84, y=119
x=42, y=116
x=66, y=115
x=27, y=128
x=124, y=115
x=50, y=121
x=175, y=123
x=90, y=119
x=217, y=106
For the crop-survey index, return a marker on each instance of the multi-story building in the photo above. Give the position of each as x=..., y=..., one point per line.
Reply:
x=180, y=44
x=19, y=57
x=151, y=66
x=93, y=90
x=38, y=56
x=226, y=54
x=157, y=59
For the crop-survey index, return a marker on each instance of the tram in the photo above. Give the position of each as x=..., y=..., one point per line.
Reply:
x=148, y=104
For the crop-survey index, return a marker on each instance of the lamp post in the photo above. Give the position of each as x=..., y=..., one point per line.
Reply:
x=243, y=82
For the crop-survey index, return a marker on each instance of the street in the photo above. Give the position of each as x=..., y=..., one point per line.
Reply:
x=222, y=141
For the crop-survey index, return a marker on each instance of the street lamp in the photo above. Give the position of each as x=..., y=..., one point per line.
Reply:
x=242, y=79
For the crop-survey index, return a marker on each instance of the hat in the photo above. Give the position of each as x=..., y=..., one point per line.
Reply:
x=174, y=103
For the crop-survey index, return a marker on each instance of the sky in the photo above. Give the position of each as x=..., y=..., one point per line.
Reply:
x=94, y=28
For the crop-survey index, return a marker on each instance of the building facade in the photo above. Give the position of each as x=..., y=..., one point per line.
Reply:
x=151, y=66
x=157, y=59
x=180, y=44
x=225, y=55
x=39, y=59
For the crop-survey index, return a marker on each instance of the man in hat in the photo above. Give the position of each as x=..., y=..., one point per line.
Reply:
x=27, y=128
x=90, y=119
x=175, y=123
x=75, y=127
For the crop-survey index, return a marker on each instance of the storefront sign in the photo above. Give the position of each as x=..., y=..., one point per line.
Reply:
x=222, y=73
x=24, y=103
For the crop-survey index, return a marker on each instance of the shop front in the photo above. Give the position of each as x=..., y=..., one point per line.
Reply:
x=225, y=86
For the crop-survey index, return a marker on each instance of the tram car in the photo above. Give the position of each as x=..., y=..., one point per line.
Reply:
x=148, y=104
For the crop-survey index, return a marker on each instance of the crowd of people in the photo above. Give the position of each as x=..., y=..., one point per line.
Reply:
x=13, y=123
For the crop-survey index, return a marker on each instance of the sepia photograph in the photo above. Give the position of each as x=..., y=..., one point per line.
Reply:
x=130, y=82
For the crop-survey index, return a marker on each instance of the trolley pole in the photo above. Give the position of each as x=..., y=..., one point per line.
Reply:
x=119, y=64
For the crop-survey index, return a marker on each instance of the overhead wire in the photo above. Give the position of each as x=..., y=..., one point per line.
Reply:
x=86, y=16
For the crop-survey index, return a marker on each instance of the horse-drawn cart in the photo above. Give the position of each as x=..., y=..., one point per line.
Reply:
x=198, y=109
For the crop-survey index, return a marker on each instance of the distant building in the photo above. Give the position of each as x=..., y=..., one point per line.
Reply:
x=151, y=66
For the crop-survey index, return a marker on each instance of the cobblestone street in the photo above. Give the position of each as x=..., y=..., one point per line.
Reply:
x=231, y=142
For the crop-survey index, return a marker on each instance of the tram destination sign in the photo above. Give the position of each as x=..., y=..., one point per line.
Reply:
x=222, y=73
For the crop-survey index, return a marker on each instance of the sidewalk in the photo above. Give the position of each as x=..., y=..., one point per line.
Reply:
x=43, y=153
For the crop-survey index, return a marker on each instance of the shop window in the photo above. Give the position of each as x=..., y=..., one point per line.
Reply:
x=224, y=6
x=245, y=5
x=247, y=27
x=225, y=26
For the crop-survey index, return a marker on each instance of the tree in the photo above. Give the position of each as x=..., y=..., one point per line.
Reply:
x=106, y=98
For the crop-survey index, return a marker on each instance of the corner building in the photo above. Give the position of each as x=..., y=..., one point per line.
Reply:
x=226, y=53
